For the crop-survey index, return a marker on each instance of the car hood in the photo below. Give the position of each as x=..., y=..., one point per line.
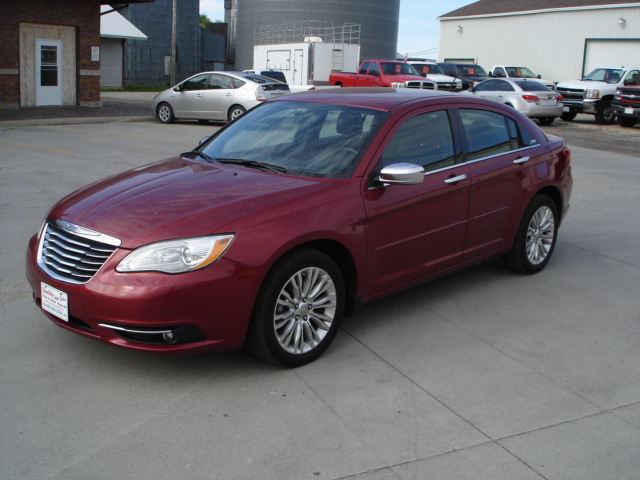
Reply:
x=582, y=84
x=438, y=77
x=179, y=198
x=405, y=78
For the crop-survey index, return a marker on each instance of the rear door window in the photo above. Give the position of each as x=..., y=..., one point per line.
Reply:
x=490, y=133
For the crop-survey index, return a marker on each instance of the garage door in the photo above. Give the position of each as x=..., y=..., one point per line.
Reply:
x=111, y=62
x=611, y=53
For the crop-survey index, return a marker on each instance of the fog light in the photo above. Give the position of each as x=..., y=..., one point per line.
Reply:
x=169, y=337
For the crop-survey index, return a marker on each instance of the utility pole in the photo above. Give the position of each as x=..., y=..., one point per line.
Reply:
x=173, y=42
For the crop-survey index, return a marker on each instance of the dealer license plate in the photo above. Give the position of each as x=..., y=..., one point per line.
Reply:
x=54, y=301
x=566, y=109
x=628, y=111
x=547, y=102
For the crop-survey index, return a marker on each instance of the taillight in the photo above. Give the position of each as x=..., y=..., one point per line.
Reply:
x=567, y=153
x=260, y=94
x=530, y=98
x=559, y=99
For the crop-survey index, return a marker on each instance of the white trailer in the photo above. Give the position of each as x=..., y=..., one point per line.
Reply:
x=309, y=63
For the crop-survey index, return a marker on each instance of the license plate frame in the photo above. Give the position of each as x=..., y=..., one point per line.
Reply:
x=54, y=301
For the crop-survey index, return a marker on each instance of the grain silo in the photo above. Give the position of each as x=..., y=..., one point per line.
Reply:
x=378, y=21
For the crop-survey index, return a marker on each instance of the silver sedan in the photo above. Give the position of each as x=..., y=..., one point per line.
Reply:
x=529, y=97
x=219, y=96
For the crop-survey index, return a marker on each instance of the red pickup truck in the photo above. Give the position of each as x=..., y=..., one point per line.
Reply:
x=382, y=73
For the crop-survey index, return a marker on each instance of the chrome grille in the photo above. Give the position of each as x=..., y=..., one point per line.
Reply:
x=73, y=254
x=446, y=85
x=422, y=85
x=570, y=93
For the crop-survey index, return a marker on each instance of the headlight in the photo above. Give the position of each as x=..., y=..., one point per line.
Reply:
x=176, y=256
x=398, y=85
x=593, y=93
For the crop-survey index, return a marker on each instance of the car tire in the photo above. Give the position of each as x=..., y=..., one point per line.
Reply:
x=605, y=115
x=568, y=116
x=164, y=112
x=298, y=310
x=627, y=122
x=546, y=120
x=536, y=237
x=235, y=112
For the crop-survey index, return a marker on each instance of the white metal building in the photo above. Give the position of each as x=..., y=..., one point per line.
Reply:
x=114, y=30
x=557, y=39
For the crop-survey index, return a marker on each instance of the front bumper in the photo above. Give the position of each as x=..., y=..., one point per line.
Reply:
x=626, y=111
x=193, y=312
x=584, y=106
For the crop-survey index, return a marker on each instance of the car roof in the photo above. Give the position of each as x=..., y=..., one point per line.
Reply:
x=372, y=97
x=519, y=82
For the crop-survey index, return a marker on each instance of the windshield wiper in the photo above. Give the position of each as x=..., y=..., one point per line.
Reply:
x=199, y=154
x=252, y=164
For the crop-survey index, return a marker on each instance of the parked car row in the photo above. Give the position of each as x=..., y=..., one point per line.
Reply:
x=607, y=93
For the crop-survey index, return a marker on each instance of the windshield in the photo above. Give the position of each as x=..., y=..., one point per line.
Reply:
x=608, y=75
x=471, y=71
x=520, y=72
x=428, y=68
x=398, y=68
x=307, y=139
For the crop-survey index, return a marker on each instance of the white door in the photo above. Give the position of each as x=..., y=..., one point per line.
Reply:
x=48, y=72
x=610, y=53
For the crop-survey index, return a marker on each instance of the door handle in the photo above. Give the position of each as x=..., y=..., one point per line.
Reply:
x=520, y=160
x=228, y=94
x=456, y=179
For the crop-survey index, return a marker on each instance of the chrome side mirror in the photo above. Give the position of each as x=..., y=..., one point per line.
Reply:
x=401, y=173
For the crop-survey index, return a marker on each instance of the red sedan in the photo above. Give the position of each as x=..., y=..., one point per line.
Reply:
x=294, y=215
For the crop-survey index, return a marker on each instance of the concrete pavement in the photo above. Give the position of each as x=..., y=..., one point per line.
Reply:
x=483, y=374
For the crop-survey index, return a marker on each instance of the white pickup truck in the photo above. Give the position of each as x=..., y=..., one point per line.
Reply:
x=511, y=71
x=593, y=93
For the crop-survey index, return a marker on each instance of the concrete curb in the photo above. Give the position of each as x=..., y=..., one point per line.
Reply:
x=72, y=121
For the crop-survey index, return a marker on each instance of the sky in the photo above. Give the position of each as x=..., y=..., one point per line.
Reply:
x=418, y=29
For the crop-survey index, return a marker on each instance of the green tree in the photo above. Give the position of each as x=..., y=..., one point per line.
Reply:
x=204, y=20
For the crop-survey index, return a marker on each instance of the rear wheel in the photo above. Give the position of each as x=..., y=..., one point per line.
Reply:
x=235, y=112
x=627, y=122
x=536, y=236
x=165, y=113
x=605, y=115
x=298, y=309
x=568, y=116
x=546, y=120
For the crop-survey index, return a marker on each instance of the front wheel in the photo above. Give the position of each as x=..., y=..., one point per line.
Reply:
x=298, y=309
x=536, y=236
x=627, y=122
x=165, y=113
x=605, y=115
